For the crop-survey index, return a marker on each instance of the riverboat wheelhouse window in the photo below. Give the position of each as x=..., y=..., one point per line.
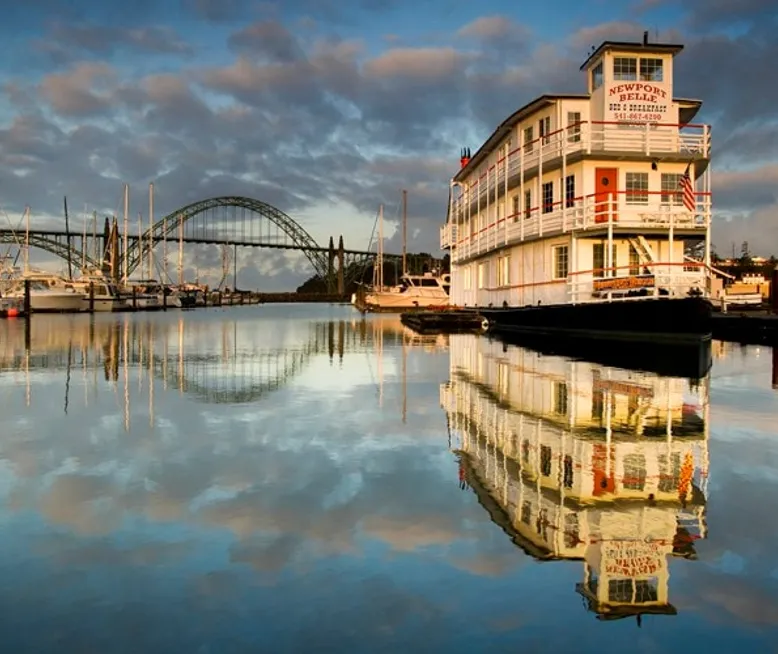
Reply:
x=597, y=76
x=671, y=189
x=625, y=69
x=548, y=197
x=561, y=262
x=651, y=70
x=573, y=126
x=637, y=188
x=570, y=191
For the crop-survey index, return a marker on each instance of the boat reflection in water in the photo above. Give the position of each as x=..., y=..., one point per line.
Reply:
x=576, y=460
x=229, y=362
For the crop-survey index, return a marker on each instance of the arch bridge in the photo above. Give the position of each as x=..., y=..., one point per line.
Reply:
x=227, y=221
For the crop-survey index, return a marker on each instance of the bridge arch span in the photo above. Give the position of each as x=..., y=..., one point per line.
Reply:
x=54, y=244
x=168, y=226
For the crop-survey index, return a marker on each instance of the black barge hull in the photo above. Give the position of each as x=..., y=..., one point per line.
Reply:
x=661, y=320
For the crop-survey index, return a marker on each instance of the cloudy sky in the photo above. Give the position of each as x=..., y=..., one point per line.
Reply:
x=324, y=108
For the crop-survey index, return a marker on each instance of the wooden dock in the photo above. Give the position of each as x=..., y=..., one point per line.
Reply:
x=755, y=327
x=447, y=321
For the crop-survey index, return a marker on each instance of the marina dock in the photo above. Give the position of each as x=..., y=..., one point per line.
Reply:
x=448, y=321
x=746, y=327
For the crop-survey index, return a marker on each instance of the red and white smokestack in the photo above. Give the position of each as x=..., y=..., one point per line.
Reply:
x=464, y=157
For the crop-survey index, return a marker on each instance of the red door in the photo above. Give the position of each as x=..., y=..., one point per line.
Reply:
x=606, y=188
x=603, y=483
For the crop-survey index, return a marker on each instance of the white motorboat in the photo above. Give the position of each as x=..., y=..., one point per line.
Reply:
x=413, y=292
x=104, y=294
x=45, y=298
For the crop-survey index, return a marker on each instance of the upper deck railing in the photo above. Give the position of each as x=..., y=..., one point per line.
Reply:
x=525, y=162
x=596, y=137
x=642, y=211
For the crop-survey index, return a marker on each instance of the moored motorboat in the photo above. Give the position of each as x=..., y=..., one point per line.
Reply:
x=413, y=292
x=43, y=298
x=99, y=293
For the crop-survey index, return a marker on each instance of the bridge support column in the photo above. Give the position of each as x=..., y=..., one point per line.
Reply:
x=330, y=270
x=116, y=255
x=106, y=269
x=341, y=268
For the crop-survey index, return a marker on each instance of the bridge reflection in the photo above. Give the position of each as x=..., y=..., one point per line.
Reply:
x=244, y=365
x=580, y=461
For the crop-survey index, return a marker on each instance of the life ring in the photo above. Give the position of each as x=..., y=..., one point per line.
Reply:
x=485, y=324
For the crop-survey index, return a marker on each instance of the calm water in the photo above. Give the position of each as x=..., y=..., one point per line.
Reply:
x=295, y=479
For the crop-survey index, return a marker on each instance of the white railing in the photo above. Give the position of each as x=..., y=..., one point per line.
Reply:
x=448, y=235
x=587, y=214
x=584, y=138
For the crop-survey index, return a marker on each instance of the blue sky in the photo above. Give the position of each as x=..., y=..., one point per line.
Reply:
x=325, y=109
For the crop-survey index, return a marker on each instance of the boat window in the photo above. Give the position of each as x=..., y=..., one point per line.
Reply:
x=625, y=69
x=597, y=76
x=429, y=282
x=650, y=70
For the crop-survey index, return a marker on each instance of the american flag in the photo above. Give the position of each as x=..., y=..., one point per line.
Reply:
x=687, y=191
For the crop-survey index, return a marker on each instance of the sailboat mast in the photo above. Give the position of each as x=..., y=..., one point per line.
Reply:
x=94, y=236
x=405, y=231
x=140, y=241
x=180, y=250
x=27, y=239
x=67, y=240
x=151, y=231
x=164, y=250
x=126, y=234
x=380, y=258
x=83, y=243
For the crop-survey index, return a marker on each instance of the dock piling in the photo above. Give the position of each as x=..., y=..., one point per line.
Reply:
x=27, y=299
x=774, y=290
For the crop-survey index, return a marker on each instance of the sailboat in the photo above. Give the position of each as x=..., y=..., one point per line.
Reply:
x=48, y=292
x=428, y=290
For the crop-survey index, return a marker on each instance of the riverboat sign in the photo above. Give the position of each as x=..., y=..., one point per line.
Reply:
x=624, y=283
x=637, y=102
x=632, y=559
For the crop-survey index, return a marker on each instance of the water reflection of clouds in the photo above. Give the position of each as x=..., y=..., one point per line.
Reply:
x=736, y=584
x=218, y=522
x=213, y=468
